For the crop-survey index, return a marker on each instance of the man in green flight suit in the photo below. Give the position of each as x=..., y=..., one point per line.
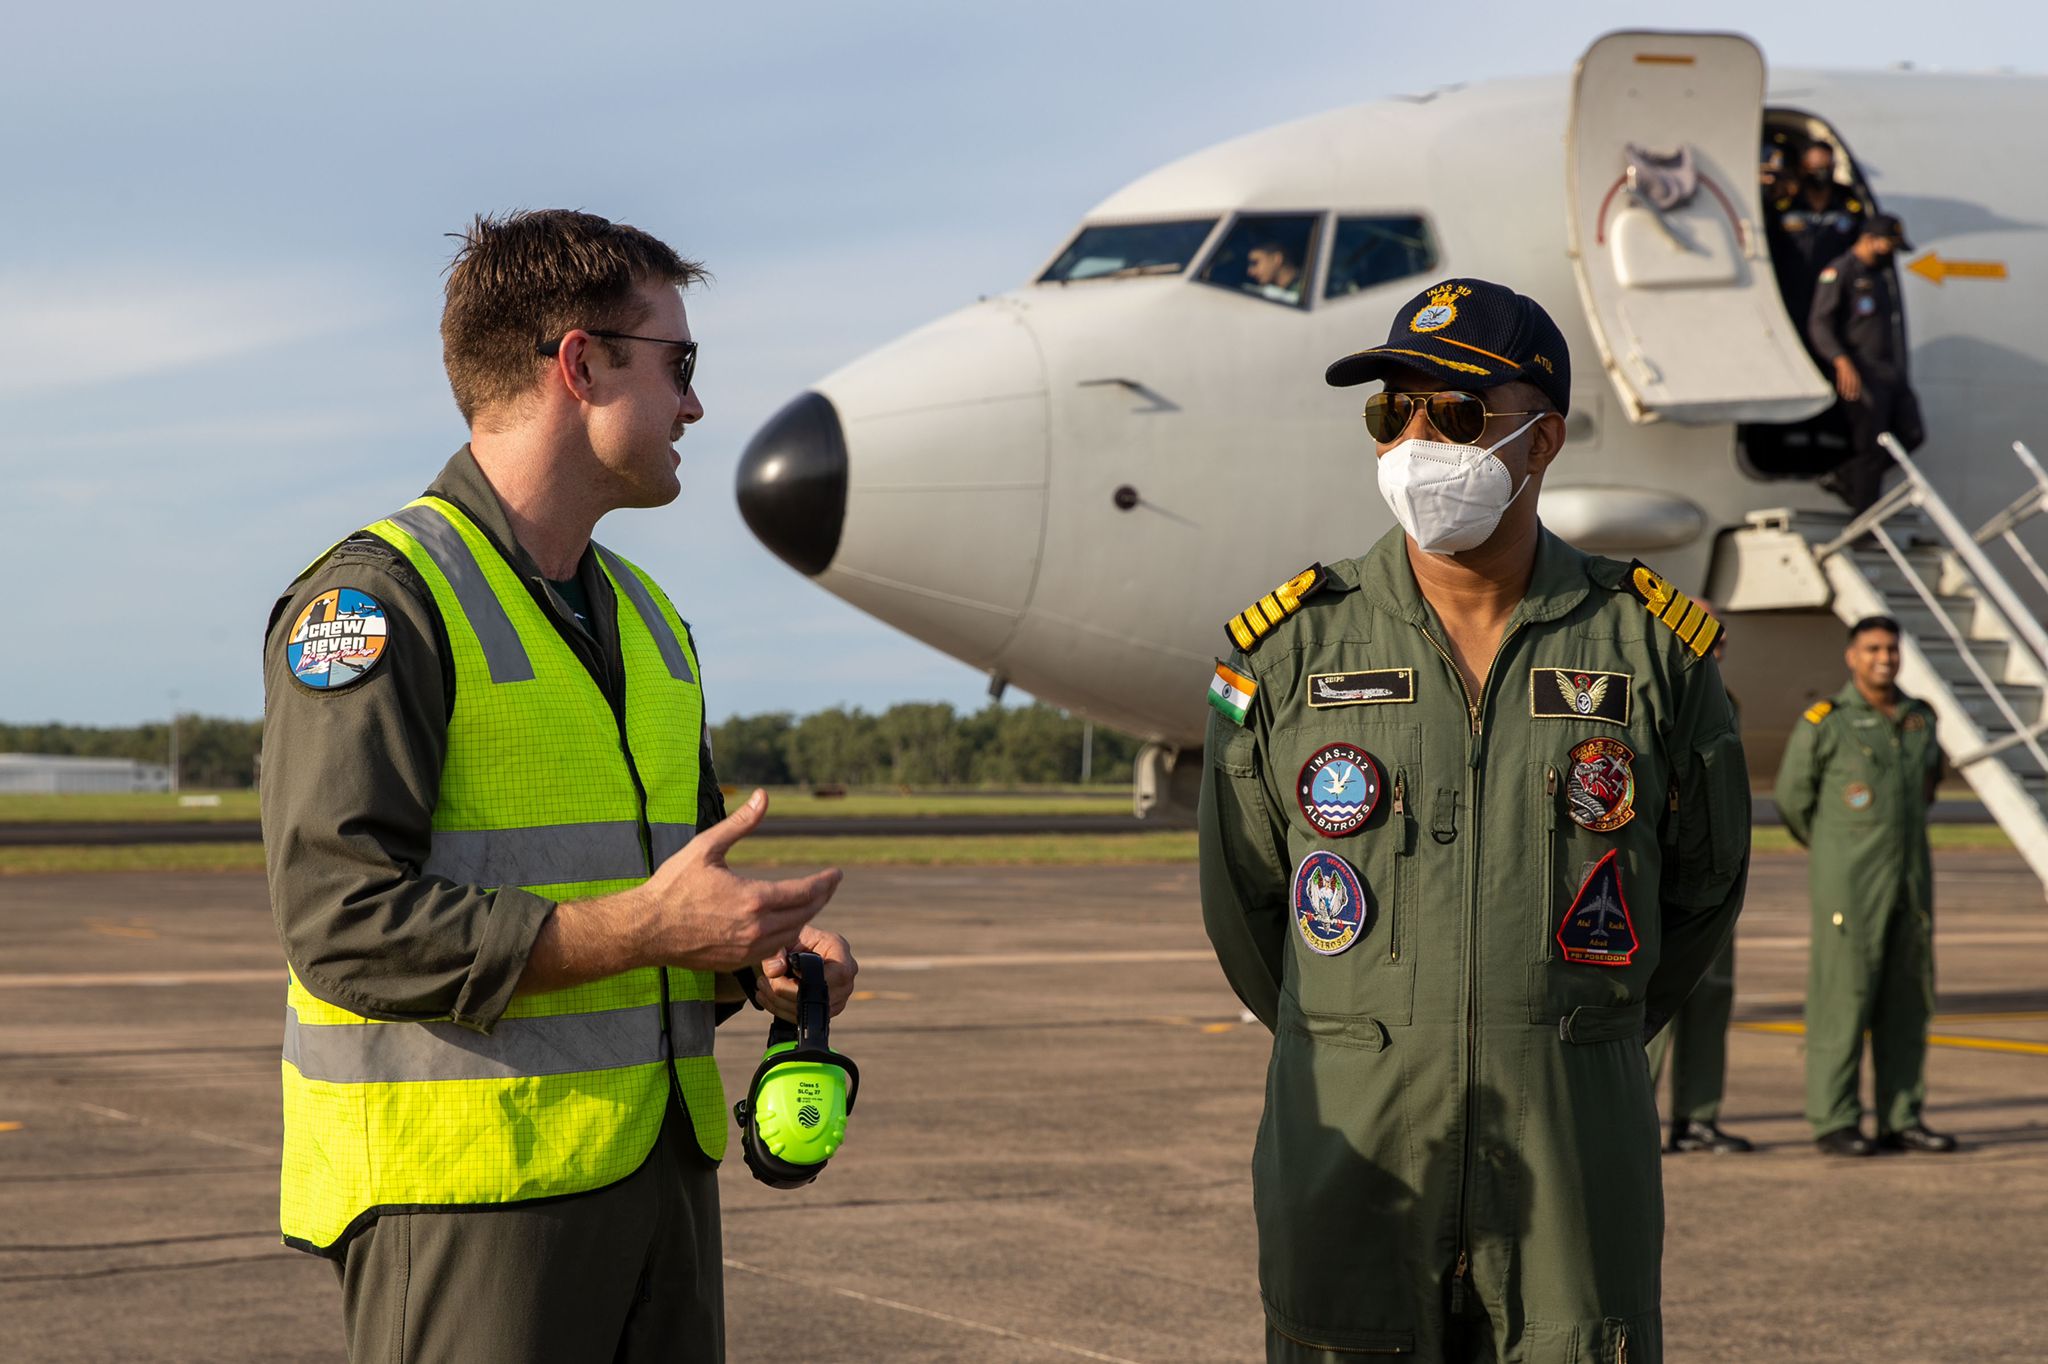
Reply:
x=1473, y=823
x=1696, y=1043
x=1858, y=776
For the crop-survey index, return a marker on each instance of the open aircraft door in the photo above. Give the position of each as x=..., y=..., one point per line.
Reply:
x=1666, y=232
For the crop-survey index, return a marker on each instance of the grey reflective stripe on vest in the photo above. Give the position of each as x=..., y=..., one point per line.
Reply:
x=657, y=624
x=486, y=614
x=563, y=1044
x=550, y=854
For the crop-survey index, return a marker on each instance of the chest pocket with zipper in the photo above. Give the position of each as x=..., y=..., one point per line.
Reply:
x=1375, y=976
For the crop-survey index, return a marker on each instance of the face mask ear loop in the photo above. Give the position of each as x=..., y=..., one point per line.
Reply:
x=1503, y=441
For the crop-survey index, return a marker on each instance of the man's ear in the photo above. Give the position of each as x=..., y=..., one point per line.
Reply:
x=571, y=365
x=1546, y=439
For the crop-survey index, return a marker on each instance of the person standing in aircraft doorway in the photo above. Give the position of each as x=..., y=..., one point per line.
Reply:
x=1858, y=327
x=1474, y=822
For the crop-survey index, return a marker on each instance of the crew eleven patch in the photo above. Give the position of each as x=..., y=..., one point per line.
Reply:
x=337, y=639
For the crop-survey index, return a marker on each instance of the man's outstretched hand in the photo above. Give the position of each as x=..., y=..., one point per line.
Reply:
x=703, y=916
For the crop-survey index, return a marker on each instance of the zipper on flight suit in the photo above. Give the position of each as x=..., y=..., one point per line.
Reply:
x=1400, y=854
x=1475, y=778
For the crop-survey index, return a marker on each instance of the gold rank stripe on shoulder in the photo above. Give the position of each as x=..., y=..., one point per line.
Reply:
x=1695, y=629
x=1818, y=711
x=1256, y=621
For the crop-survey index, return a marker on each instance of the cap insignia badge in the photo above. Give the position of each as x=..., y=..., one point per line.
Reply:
x=1442, y=309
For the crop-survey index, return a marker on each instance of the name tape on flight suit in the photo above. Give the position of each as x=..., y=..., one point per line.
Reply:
x=1256, y=621
x=1373, y=687
x=336, y=640
x=1687, y=618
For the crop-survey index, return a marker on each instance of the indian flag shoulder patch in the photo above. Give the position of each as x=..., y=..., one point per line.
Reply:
x=1231, y=692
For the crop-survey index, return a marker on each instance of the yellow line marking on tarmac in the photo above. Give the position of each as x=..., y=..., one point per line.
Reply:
x=1003, y=1331
x=1933, y=1039
x=862, y=996
x=134, y=928
x=1157, y=956
x=10, y=1127
x=2018, y=938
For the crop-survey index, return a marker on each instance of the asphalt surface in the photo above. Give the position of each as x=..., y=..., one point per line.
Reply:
x=1049, y=1160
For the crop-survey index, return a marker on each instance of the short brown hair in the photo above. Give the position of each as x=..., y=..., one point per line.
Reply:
x=525, y=278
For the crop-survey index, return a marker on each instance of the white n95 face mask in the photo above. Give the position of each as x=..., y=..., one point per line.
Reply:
x=1449, y=497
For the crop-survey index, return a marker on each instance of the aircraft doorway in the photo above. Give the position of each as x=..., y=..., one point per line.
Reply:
x=1814, y=195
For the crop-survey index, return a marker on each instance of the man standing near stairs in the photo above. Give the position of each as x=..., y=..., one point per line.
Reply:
x=1858, y=776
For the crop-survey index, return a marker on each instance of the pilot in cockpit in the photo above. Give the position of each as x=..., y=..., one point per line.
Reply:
x=1271, y=271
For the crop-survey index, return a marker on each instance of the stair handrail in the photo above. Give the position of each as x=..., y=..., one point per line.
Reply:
x=2020, y=623
x=2029, y=504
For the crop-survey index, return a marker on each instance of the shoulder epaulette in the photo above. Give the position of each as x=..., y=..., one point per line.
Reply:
x=1695, y=629
x=1256, y=621
x=1818, y=711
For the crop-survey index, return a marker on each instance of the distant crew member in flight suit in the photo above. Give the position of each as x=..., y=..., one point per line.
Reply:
x=1858, y=329
x=1474, y=821
x=1858, y=776
x=1696, y=1043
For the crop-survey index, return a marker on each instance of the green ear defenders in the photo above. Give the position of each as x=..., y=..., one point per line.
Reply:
x=794, y=1116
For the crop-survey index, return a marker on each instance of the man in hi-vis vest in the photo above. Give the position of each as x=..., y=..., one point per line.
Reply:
x=497, y=852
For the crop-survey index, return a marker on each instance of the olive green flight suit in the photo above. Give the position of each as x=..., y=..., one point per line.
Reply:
x=1459, y=1153
x=1854, y=788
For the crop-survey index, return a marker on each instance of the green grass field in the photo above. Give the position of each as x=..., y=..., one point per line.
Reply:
x=994, y=850
x=787, y=802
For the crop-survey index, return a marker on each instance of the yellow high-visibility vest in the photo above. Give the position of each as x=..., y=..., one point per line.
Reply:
x=544, y=788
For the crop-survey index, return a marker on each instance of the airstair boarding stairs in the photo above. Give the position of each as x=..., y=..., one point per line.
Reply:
x=1972, y=648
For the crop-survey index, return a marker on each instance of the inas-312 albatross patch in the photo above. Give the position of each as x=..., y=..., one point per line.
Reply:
x=337, y=639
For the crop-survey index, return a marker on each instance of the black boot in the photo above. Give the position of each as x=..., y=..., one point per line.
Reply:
x=1918, y=1137
x=1844, y=1141
x=1688, y=1135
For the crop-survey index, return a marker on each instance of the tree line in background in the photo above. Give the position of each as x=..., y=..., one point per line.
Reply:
x=915, y=744
x=212, y=752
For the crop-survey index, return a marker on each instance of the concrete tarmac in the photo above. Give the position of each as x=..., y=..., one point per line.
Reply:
x=1050, y=1157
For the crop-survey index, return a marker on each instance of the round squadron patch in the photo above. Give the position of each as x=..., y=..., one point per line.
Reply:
x=1338, y=789
x=1601, y=792
x=1856, y=796
x=1329, y=903
x=336, y=640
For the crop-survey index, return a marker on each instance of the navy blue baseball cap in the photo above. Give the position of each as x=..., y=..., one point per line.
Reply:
x=1475, y=332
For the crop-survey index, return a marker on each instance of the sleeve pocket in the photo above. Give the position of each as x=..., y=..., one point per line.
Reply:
x=1711, y=824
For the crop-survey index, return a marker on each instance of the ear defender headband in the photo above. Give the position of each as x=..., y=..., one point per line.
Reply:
x=794, y=1116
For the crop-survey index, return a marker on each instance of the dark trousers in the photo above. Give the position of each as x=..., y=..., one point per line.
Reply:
x=1696, y=1040
x=629, y=1273
x=1860, y=477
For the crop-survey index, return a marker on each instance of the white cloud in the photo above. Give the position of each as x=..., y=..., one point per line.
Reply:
x=93, y=327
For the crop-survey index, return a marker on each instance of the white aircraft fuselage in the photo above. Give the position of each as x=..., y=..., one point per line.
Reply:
x=1073, y=485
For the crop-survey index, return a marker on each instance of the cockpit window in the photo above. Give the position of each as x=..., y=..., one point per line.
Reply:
x=1120, y=250
x=1267, y=255
x=1372, y=251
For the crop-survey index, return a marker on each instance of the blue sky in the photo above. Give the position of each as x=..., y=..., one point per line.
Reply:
x=221, y=256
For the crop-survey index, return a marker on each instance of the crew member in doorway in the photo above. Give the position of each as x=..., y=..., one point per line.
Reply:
x=1858, y=330
x=1812, y=220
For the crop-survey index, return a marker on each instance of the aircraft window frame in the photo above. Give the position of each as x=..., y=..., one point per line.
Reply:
x=1312, y=255
x=1210, y=224
x=1339, y=216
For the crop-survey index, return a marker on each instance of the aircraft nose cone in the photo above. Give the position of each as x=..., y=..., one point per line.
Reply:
x=792, y=483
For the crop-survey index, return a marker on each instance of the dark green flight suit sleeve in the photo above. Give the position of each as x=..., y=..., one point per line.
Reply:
x=1706, y=866
x=1798, y=787
x=1244, y=873
x=350, y=780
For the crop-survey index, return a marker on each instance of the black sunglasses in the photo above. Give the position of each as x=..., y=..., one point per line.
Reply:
x=686, y=366
x=1459, y=418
